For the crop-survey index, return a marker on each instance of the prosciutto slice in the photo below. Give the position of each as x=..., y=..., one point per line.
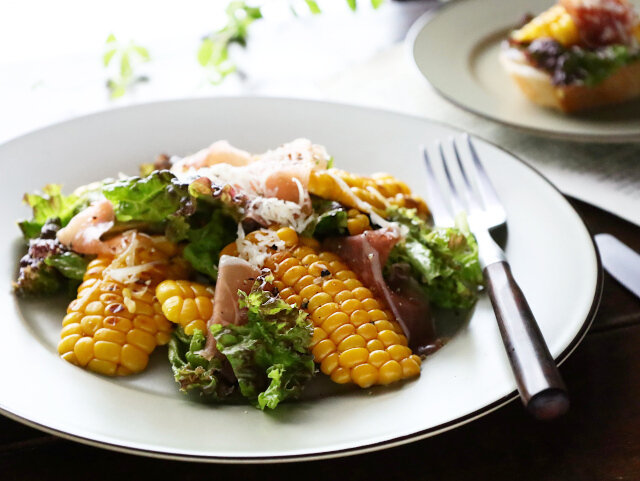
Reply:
x=82, y=233
x=234, y=274
x=366, y=254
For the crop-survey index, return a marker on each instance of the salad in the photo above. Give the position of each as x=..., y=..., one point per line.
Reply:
x=259, y=271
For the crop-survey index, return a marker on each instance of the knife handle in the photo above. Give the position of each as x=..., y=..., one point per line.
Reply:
x=540, y=385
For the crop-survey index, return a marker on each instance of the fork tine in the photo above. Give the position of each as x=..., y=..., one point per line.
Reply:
x=439, y=210
x=471, y=197
x=485, y=187
x=456, y=200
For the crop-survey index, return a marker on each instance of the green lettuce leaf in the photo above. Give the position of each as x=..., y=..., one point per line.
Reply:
x=444, y=260
x=50, y=204
x=195, y=374
x=205, y=243
x=69, y=264
x=148, y=199
x=270, y=355
x=331, y=219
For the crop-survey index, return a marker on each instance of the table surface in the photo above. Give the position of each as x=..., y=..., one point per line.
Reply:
x=597, y=440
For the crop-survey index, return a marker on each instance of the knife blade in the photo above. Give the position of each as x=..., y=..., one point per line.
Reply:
x=622, y=262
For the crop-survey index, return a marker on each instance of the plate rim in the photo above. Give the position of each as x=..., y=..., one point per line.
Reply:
x=329, y=454
x=409, y=47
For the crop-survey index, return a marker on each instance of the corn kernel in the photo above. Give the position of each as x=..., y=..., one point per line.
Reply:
x=341, y=333
x=334, y=321
x=353, y=357
x=107, y=351
x=378, y=358
x=329, y=363
x=323, y=349
x=350, y=342
x=83, y=350
x=133, y=358
x=390, y=371
x=66, y=344
x=143, y=340
x=110, y=335
x=340, y=375
x=364, y=375
x=102, y=367
x=368, y=331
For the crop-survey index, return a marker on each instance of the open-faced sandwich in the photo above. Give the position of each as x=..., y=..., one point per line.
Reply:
x=577, y=55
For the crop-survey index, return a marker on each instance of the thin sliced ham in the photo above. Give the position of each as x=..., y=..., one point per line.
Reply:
x=83, y=232
x=366, y=254
x=220, y=152
x=234, y=274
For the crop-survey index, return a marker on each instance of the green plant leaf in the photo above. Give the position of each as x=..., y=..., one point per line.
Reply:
x=313, y=7
x=125, y=66
x=205, y=52
x=376, y=3
x=142, y=52
x=111, y=38
x=108, y=55
x=353, y=4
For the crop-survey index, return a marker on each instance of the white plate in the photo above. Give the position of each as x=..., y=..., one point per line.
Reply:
x=456, y=48
x=552, y=255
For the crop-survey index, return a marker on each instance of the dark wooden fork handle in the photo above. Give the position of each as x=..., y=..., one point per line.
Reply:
x=540, y=385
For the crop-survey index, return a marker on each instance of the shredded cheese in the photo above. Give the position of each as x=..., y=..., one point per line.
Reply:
x=257, y=252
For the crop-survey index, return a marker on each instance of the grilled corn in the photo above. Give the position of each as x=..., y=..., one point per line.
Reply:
x=115, y=323
x=355, y=336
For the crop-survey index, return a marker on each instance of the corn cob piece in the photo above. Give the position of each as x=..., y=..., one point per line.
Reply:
x=113, y=326
x=357, y=222
x=188, y=304
x=379, y=191
x=355, y=337
x=555, y=23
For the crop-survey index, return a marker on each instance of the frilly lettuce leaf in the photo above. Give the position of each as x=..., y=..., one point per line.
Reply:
x=50, y=204
x=194, y=373
x=148, y=199
x=444, y=260
x=49, y=267
x=206, y=242
x=270, y=355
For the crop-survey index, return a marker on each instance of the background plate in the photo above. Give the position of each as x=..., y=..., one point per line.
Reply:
x=456, y=48
x=551, y=252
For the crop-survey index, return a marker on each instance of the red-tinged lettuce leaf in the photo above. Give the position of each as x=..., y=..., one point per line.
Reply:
x=270, y=355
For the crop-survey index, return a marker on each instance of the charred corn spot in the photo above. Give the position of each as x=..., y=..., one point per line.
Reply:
x=188, y=304
x=112, y=327
x=555, y=23
x=355, y=338
x=379, y=191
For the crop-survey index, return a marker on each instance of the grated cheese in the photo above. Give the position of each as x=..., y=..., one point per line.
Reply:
x=255, y=253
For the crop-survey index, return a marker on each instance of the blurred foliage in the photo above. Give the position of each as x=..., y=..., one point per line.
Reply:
x=121, y=60
x=213, y=53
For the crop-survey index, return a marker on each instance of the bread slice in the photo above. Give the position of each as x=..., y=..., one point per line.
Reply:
x=622, y=86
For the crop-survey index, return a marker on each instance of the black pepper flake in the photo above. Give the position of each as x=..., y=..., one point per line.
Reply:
x=325, y=273
x=274, y=247
x=304, y=305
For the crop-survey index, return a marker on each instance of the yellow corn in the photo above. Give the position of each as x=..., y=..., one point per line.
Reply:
x=357, y=222
x=379, y=191
x=555, y=23
x=112, y=327
x=186, y=303
x=355, y=337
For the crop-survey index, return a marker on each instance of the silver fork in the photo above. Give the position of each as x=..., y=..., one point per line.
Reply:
x=539, y=383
